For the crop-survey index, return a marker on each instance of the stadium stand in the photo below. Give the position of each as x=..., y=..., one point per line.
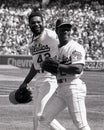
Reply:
x=88, y=27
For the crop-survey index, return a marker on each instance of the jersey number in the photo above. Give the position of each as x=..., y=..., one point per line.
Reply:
x=42, y=57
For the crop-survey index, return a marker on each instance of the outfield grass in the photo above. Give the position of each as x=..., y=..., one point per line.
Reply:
x=19, y=117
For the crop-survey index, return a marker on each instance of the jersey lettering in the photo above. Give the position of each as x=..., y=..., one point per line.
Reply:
x=39, y=48
x=65, y=60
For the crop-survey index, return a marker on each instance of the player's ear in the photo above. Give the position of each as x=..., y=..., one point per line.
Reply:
x=44, y=22
x=58, y=22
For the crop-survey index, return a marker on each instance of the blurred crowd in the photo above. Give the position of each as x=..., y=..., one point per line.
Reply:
x=87, y=29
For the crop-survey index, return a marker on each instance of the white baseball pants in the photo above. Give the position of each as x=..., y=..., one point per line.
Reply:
x=41, y=95
x=72, y=96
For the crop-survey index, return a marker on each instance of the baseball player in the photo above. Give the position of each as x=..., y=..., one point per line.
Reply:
x=71, y=89
x=42, y=45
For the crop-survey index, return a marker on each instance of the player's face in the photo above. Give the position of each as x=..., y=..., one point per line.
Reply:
x=63, y=34
x=36, y=25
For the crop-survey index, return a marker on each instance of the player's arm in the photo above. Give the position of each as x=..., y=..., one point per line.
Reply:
x=76, y=65
x=71, y=68
x=29, y=76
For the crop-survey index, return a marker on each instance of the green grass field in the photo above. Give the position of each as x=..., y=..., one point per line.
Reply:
x=19, y=117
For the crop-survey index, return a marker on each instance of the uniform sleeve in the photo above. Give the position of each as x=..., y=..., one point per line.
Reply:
x=78, y=55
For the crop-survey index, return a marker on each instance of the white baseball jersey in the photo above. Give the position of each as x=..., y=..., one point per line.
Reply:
x=71, y=92
x=71, y=53
x=41, y=47
x=45, y=45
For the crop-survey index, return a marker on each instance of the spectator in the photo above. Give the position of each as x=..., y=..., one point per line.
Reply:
x=89, y=21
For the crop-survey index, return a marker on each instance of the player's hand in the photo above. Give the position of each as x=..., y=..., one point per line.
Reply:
x=50, y=65
x=23, y=94
x=23, y=86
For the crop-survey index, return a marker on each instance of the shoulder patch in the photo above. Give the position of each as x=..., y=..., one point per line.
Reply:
x=76, y=56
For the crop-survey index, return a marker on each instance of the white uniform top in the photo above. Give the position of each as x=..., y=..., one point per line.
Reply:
x=41, y=47
x=71, y=53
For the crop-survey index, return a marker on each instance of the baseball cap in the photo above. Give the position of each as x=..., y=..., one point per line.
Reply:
x=35, y=12
x=62, y=23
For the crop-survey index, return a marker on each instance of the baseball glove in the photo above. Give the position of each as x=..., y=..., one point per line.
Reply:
x=50, y=65
x=23, y=95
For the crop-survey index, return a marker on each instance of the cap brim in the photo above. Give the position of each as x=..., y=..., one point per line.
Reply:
x=65, y=25
x=12, y=97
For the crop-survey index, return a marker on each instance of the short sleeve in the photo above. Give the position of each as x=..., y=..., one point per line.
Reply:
x=78, y=55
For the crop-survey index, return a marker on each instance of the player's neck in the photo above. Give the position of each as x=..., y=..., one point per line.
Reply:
x=38, y=35
x=63, y=43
